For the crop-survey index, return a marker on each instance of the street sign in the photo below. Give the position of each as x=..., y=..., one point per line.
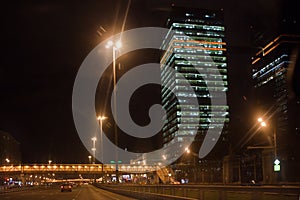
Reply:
x=276, y=165
x=114, y=162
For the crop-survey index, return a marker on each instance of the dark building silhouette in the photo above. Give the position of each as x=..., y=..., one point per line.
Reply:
x=274, y=97
x=276, y=83
x=9, y=149
x=275, y=79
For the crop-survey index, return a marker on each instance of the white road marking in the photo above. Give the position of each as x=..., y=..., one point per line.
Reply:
x=109, y=196
x=76, y=195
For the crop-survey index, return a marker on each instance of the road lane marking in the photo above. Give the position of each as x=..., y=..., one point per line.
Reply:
x=76, y=195
x=108, y=194
x=103, y=193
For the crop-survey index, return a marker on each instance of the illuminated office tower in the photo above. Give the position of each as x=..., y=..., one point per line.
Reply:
x=195, y=47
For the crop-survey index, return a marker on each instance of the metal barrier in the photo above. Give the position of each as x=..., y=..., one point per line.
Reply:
x=8, y=189
x=207, y=192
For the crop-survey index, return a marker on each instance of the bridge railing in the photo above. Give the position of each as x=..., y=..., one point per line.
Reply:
x=52, y=168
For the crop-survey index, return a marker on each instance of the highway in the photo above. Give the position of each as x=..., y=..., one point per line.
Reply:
x=83, y=192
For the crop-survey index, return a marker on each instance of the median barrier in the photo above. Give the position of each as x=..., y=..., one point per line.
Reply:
x=205, y=192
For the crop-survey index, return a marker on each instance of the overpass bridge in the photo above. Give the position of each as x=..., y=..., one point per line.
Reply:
x=83, y=171
x=81, y=168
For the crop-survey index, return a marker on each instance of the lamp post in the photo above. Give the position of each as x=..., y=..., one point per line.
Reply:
x=94, y=139
x=264, y=124
x=276, y=162
x=90, y=159
x=100, y=119
x=115, y=46
x=49, y=162
x=192, y=162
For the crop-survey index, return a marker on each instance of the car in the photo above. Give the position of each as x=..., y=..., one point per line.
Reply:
x=66, y=187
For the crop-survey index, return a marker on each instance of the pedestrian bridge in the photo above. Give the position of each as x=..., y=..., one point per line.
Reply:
x=78, y=168
x=57, y=171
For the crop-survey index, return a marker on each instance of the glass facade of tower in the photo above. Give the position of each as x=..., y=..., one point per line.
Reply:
x=196, y=49
x=272, y=77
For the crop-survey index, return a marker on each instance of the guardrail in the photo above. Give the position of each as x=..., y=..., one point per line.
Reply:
x=6, y=189
x=206, y=192
x=15, y=188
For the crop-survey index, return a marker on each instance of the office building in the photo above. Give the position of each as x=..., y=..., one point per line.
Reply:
x=196, y=48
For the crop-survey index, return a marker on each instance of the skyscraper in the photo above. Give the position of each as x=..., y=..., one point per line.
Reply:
x=276, y=82
x=196, y=48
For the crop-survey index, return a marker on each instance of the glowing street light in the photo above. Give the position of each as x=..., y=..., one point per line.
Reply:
x=94, y=139
x=109, y=44
x=187, y=150
x=115, y=46
x=90, y=159
x=118, y=44
x=264, y=124
x=261, y=121
x=100, y=119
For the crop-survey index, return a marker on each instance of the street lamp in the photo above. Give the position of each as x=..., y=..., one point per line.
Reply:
x=94, y=139
x=100, y=119
x=276, y=160
x=264, y=124
x=191, y=161
x=187, y=150
x=90, y=158
x=115, y=46
x=49, y=161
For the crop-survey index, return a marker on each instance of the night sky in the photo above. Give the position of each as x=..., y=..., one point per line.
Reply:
x=44, y=43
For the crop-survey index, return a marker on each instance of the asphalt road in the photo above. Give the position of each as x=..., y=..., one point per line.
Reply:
x=85, y=192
